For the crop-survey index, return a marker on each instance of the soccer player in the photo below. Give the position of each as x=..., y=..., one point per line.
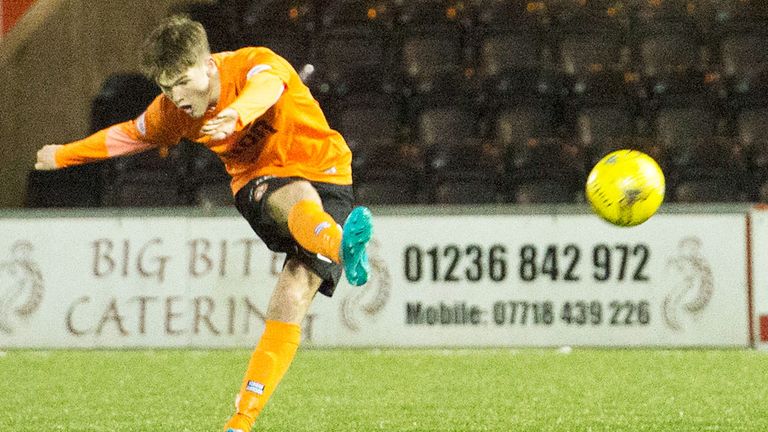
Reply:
x=291, y=175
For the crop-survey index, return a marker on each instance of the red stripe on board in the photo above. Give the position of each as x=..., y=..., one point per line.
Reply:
x=763, y=328
x=12, y=11
x=750, y=308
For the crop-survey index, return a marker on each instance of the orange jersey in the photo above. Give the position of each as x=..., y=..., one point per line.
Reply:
x=286, y=137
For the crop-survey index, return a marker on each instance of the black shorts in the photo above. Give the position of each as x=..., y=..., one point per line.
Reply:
x=251, y=203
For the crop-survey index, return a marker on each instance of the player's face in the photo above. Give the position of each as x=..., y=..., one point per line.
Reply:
x=193, y=91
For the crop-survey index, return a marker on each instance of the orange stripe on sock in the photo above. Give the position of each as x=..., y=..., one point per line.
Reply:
x=314, y=229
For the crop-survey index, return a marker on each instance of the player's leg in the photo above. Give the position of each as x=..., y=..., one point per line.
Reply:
x=316, y=230
x=302, y=214
x=269, y=211
x=295, y=210
x=296, y=287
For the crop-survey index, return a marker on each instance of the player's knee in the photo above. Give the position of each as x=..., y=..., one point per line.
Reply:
x=298, y=282
x=284, y=199
x=293, y=193
x=299, y=275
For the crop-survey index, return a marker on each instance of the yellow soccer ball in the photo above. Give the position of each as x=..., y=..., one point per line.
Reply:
x=626, y=187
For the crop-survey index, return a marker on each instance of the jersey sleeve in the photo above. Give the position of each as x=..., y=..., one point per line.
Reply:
x=266, y=77
x=154, y=127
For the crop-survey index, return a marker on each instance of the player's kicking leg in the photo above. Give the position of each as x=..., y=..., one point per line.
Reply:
x=316, y=231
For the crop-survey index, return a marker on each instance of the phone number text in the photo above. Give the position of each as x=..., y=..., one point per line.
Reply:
x=527, y=313
x=497, y=263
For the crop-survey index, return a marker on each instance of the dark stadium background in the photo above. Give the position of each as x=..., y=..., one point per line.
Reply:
x=477, y=101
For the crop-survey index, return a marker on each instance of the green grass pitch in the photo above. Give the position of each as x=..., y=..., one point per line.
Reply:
x=391, y=390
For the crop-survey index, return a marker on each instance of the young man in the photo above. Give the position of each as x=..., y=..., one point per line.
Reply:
x=291, y=175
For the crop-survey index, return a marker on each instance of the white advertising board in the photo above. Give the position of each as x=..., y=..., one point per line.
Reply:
x=480, y=280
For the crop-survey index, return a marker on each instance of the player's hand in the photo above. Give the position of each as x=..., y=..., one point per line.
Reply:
x=46, y=157
x=221, y=126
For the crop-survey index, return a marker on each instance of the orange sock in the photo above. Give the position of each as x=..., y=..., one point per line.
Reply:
x=269, y=362
x=314, y=229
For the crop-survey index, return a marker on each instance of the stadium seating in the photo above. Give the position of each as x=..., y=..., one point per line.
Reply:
x=430, y=39
x=390, y=173
x=745, y=62
x=121, y=97
x=428, y=92
x=367, y=117
x=207, y=180
x=751, y=136
x=739, y=15
x=355, y=47
x=706, y=191
x=285, y=26
x=543, y=191
x=680, y=128
x=466, y=172
x=219, y=20
x=154, y=178
x=515, y=125
x=79, y=186
x=509, y=15
x=762, y=196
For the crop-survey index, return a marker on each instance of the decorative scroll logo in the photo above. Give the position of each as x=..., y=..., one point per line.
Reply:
x=370, y=299
x=21, y=286
x=690, y=277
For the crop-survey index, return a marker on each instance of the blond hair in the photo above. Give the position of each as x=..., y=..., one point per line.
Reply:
x=175, y=45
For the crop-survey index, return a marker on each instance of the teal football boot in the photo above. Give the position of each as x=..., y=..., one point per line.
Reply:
x=357, y=232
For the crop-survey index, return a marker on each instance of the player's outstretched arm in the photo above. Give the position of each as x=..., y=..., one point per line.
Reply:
x=120, y=139
x=157, y=126
x=46, y=157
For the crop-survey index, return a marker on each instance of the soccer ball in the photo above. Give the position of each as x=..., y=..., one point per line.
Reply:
x=626, y=187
